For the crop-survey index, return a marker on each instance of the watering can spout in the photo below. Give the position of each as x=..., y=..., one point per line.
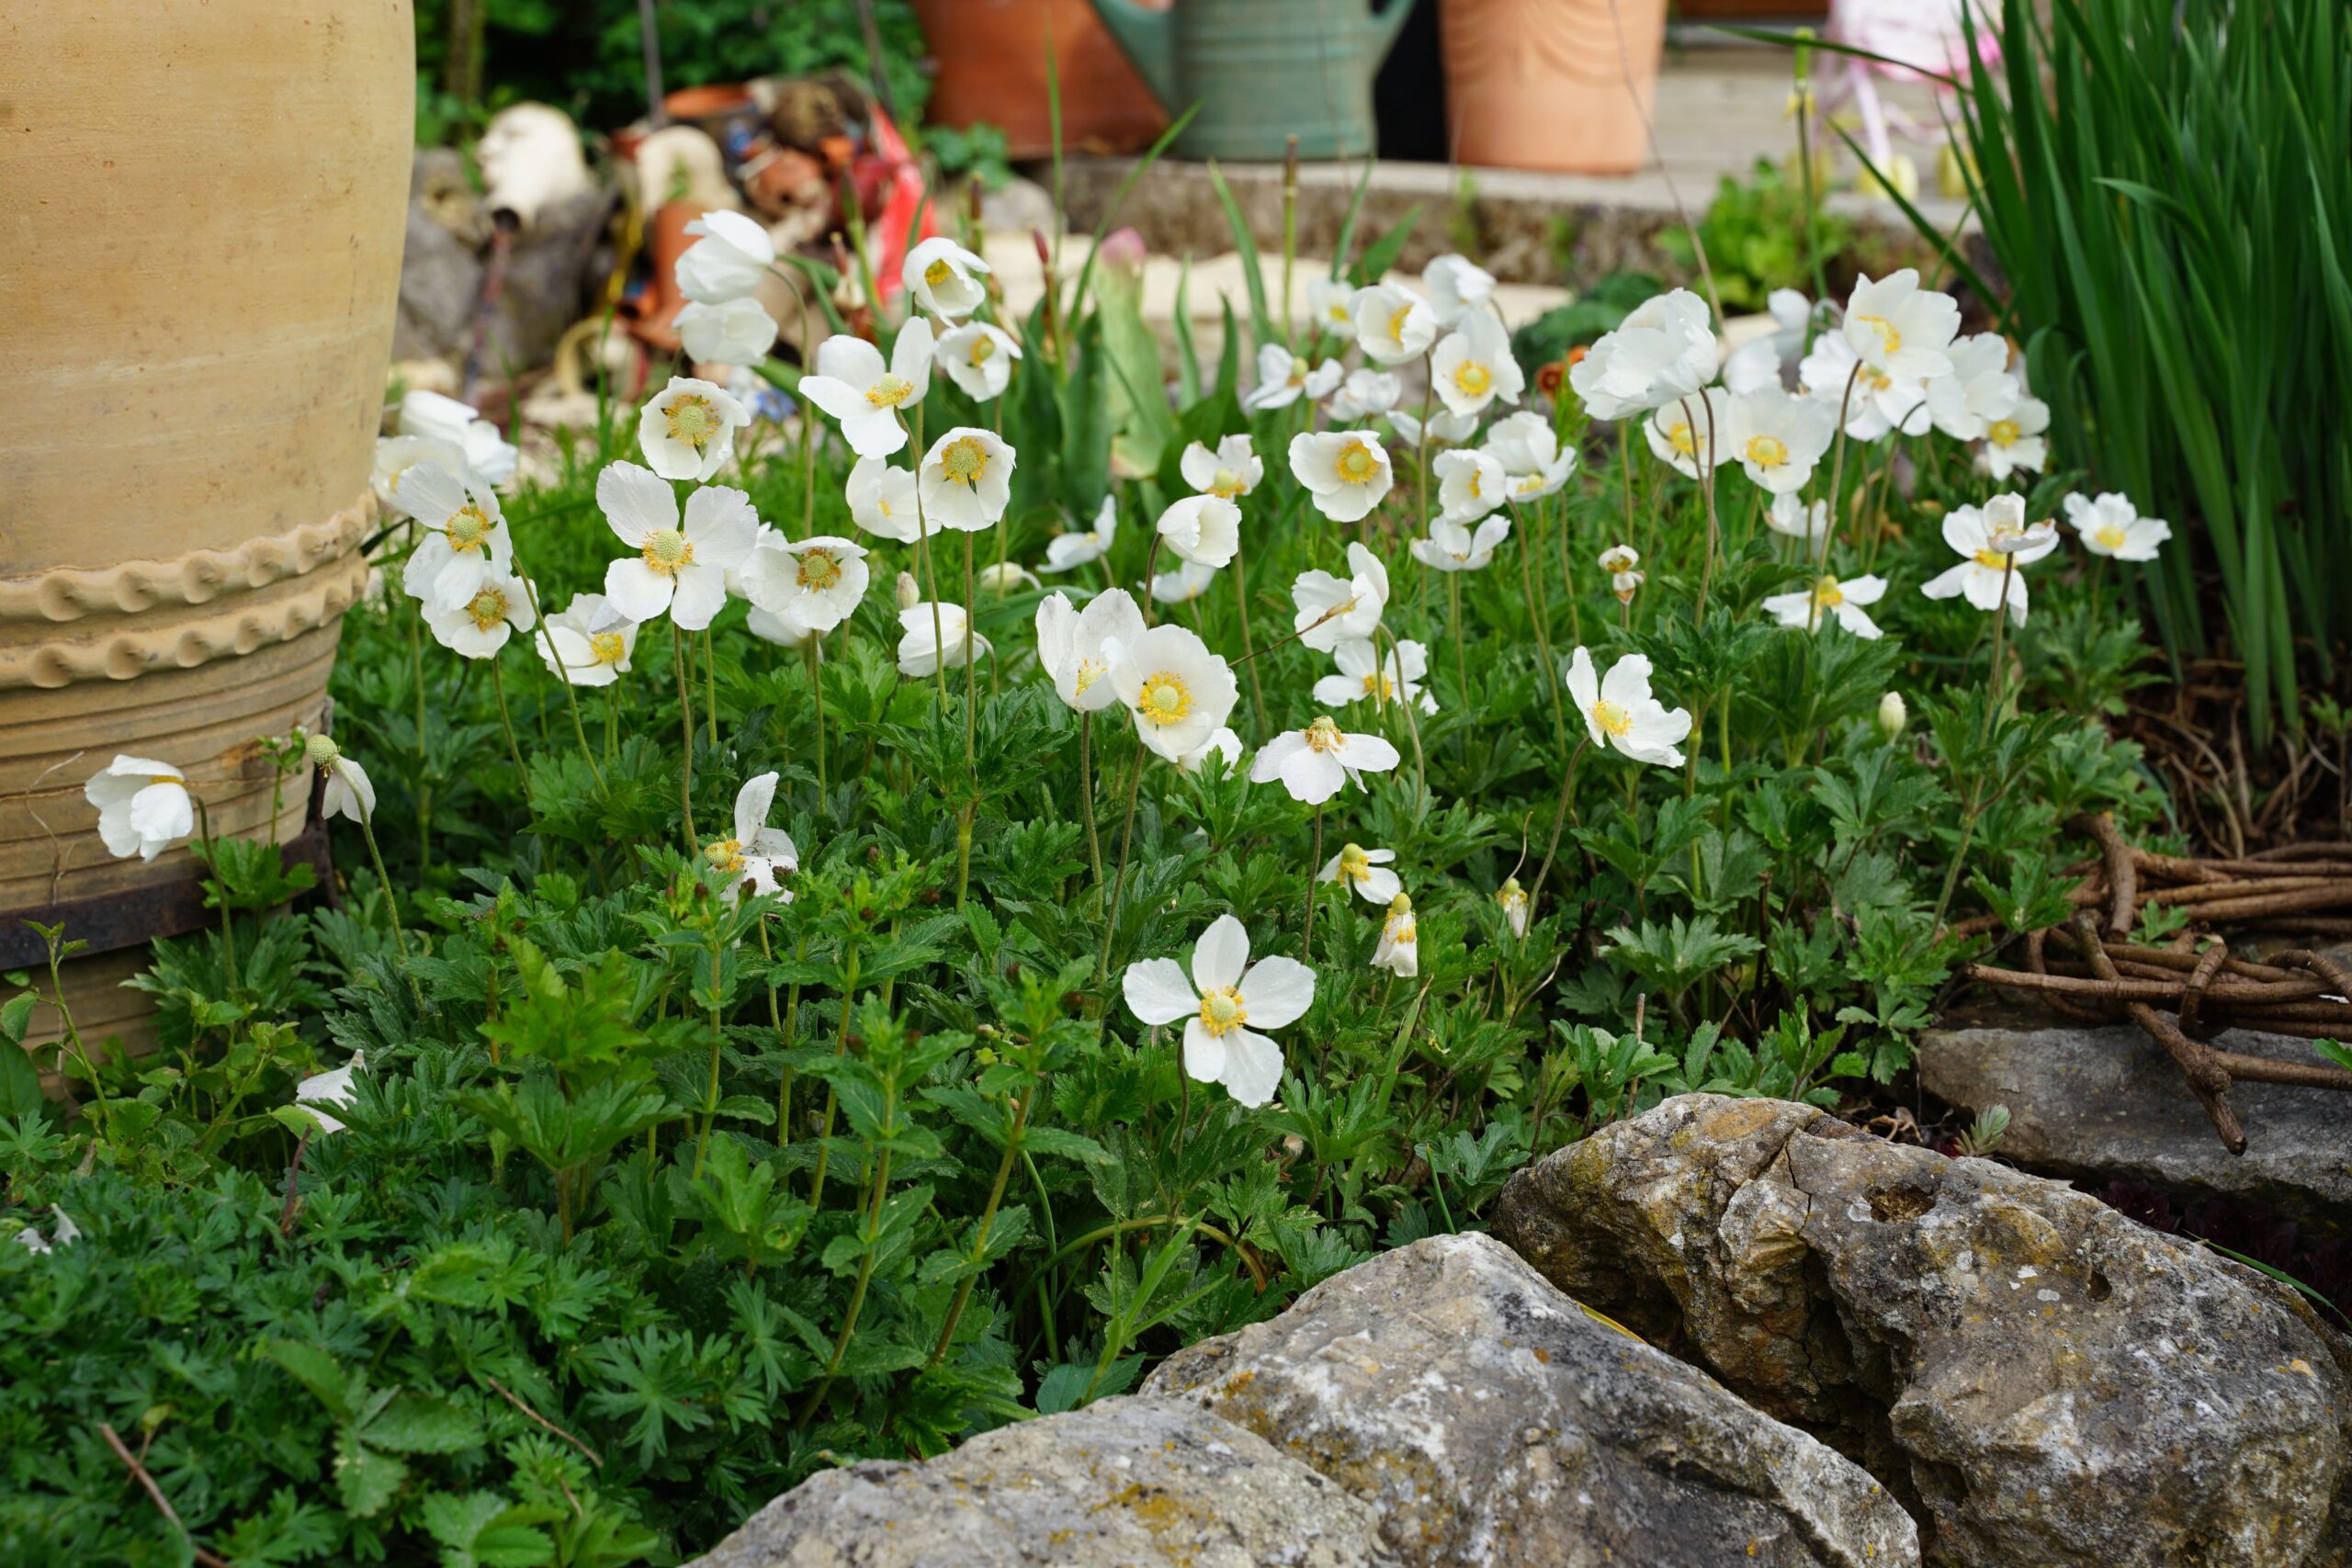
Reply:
x=1387, y=23
x=1144, y=36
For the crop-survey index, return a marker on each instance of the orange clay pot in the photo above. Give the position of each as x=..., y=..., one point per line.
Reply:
x=1541, y=83
x=991, y=57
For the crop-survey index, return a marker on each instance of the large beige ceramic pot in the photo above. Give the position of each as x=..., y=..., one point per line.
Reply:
x=202, y=203
x=1562, y=85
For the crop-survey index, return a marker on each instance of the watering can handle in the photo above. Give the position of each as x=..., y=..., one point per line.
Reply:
x=1389, y=21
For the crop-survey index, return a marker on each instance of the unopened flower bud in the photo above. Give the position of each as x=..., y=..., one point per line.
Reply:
x=1003, y=578
x=321, y=752
x=1623, y=584
x=1892, y=715
x=909, y=591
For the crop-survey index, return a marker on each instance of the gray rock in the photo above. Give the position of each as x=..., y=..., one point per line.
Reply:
x=1492, y=1421
x=441, y=265
x=2098, y=1105
x=1123, y=1483
x=2041, y=1379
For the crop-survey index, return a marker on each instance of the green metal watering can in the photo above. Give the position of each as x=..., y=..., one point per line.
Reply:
x=1262, y=71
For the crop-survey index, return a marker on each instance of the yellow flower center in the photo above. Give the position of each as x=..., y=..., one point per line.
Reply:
x=819, y=570
x=1298, y=369
x=1222, y=1012
x=937, y=273
x=1678, y=437
x=1228, y=484
x=965, y=461
x=1396, y=324
x=666, y=550
x=1324, y=735
x=1355, y=464
x=487, y=608
x=1767, y=451
x=1166, y=699
x=1472, y=380
x=469, y=527
x=1509, y=895
x=2111, y=535
x=1827, y=593
x=1994, y=559
x=607, y=647
x=1876, y=380
x=724, y=855
x=693, y=421
x=2003, y=433
x=1089, y=671
x=890, y=391
x=1531, y=484
x=1889, y=340
x=1380, y=686
x=1354, y=865
x=1612, y=719
x=1339, y=312
x=983, y=349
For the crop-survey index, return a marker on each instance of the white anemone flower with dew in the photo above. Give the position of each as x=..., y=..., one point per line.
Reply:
x=925, y=651
x=489, y=456
x=1979, y=390
x=1619, y=710
x=499, y=607
x=1470, y=484
x=1393, y=324
x=1446, y=428
x=464, y=537
x=1331, y=302
x=1186, y=581
x=1068, y=552
x=882, y=502
x=730, y=258
x=1365, y=871
x=1334, y=610
x=944, y=278
x=1664, y=350
x=593, y=642
x=1472, y=368
x=2111, y=525
x=398, y=456
x=1399, y=948
x=1284, y=378
x=866, y=395
x=740, y=332
x=756, y=857
x=818, y=582
x=978, y=358
x=349, y=792
x=2015, y=445
x=1225, y=996
x=1077, y=648
x=1529, y=450
x=965, y=480
x=1232, y=470
x=1776, y=438
x=1365, y=677
x=1690, y=433
x=1810, y=609
x=1205, y=529
x=1318, y=761
x=1453, y=547
x=1458, y=286
x=687, y=432
x=1366, y=392
x=142, y=807
x=1179, y=691
x=1789, y=514
x=1900, y=329
x=331, y=1088
x=679, y=570
x=1346, y=471
x=1876, y=402
x=1994, y=540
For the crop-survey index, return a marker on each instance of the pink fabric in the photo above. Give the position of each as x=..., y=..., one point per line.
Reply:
x=1925, y=33
x=888, y=234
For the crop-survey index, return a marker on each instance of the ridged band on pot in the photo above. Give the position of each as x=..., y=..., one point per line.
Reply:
x=1559, y=84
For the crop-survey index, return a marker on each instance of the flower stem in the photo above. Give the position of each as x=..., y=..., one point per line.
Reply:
x=1453, y=609
x=987, y=1223
x=1086, y=794
x=1314, y=865
x=812, y=653
x=1536, y=617
x=391, y=905
x=1241, y=604
x=1714, y=529
x=686, y=736
x=1119, y=882
x=562, y=672
x=498, y=684
x=832, y=1103
x=1559, y=819
x=710, y=688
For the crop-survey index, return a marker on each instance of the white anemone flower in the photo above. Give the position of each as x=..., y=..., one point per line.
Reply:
x=1179, y=691
x=687, y=432
x=756, y=857
x=1512, y=897
x=1233, y=470
x=1690, y=433
x=1225, y=996
x=1529, y=450
x=1346, y=471
x=944, y=278
x=478, y=628
x=1830, y=599
x=1366, y=392
x=1877, y=402
x=142, y=806
x=1789, y=514
x=1205, y=529
x=1993, y=539
x=2014, y=444
x=1068, y=552
x=730, y=258
x=1446, y=428
x=1393, y=324
x=464, y=537
x=866, y=395
x=1472, y=368
x=1284, y=378
x=817, y=581
x=1458, y=286
x=1182, y=584
x=680, y=571
x=1318, y=761
x=781, y=630
x=740, y=332
x=1775, y=438
x=1365, y=871
x=398, y=456
x=594, y=641
x=1760, y=361
x=923, y=650
x=1334, y=610
x=349, y=792
x=1005, y=578
x=1900, y=329
x=1399, y=949
x=489, y=456
x=1077, y=648
x=978, y=358
x=1222, y=744
x=2111, y=525
x=1625, y=584
x=1452, y=547
x=1617, y=558
x=1331, y=302
x=1979, y=390
x=64, y=1232
x=1619, y=710
x=333, y=1088
x=882, y=502
x=1365, y=677
x=1470, y=484
x=965, y=480
x=1665, y=349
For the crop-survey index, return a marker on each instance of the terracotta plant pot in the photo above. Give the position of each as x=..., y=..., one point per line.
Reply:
x=991, y=56
x=1541, y=83
x=208, y=206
